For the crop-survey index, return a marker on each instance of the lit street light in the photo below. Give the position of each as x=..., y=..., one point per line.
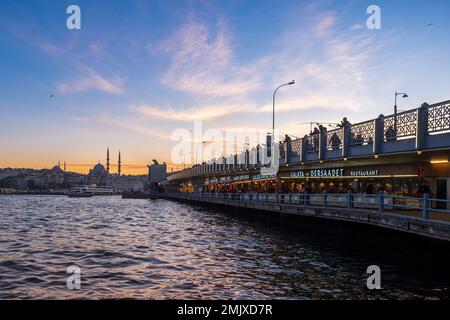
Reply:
x=404, y=95
x=273, y=115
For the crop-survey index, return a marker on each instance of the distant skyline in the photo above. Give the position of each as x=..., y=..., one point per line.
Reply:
x=137, y=70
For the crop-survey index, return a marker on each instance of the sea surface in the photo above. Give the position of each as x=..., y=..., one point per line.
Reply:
x=144, y=249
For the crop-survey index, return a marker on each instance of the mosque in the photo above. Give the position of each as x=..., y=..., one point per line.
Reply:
x=100, y=176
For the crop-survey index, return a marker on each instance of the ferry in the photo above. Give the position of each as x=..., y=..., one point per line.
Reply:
x=85, y=191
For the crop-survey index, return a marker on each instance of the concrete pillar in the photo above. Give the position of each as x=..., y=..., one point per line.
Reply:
x=378, y=134
x=347, y=139
x=288, y=151
x=322, y=144
x=422, y=126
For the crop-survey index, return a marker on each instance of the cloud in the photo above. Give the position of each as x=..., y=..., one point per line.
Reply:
x=91, y=80
x=204, y=113
x=357, y=27
x=325, y=23
x=204, y=64
x=331, y=69
x=129, y=125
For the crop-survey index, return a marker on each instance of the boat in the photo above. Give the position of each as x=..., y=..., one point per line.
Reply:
x=81, y=195
x=85, y=191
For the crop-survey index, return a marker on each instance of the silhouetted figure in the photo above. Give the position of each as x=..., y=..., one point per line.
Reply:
x=335, y=141
x=390, y=134
x=344, y=123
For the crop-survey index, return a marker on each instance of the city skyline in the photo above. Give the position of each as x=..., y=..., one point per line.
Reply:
x=68, y=94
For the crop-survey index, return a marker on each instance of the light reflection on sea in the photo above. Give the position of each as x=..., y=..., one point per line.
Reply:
x=166, y=250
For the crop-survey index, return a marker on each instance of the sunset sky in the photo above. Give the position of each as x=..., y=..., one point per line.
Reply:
x=137, y=70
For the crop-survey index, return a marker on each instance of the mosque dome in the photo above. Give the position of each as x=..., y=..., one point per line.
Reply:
x=99, y=170
x=57, y=170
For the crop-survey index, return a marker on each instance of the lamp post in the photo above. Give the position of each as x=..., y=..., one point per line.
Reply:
x=404, y=95
x=196, y=150
x=273, y=115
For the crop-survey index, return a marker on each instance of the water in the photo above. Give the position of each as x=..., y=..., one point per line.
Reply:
x=166, y=250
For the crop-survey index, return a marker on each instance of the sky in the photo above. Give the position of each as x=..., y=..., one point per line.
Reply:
x=138, y=70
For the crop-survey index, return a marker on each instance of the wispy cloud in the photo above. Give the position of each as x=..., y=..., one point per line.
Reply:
x=326, y=22
x=91, y=80
x=204, y=64
x=330, y=68
x=204, y=113
x=128, y=125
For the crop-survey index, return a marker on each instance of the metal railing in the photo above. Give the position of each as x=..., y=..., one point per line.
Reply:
x=380, y=202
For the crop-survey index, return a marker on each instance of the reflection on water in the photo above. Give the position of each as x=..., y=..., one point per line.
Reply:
x=161, y=249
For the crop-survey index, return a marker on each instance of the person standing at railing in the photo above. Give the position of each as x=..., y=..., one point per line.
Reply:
x=335, y=141
x=390, y=134
x=424, y=188
x=344, y=123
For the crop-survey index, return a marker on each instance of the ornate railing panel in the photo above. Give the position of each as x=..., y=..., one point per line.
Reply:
x=406, y=125
x=362, y=133
x=296, y=146
x=439, y=117
x=335, y=139
x=312, y=143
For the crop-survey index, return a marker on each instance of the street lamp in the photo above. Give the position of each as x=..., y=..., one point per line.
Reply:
x=273, y=115
x=404, y=95
x=196, y=150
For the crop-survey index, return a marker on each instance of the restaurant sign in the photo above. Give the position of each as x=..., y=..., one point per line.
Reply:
x=318, y=173
x=336, y=172
x=264, y=176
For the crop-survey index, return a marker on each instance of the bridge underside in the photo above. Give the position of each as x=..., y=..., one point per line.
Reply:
x=428, y=228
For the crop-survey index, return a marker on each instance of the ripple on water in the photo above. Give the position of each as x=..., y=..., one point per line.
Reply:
x=162, y=249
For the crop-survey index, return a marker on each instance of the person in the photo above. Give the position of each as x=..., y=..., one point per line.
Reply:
x=344, y=123
x=369, y=189
x=390, y=134
x=335, y=141
x=424, y=188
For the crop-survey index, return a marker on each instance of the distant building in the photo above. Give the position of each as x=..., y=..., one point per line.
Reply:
x=157, y=173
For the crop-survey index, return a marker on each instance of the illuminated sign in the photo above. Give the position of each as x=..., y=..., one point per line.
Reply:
x=318, y=173
x=241, y=177
x=338, y=172
x=363, y=173
x=264, y=176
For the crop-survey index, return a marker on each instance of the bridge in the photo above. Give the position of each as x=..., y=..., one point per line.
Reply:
x=414, y=144
x=413, y=131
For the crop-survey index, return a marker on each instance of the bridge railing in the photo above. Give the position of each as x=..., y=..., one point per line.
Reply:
x=421, y=206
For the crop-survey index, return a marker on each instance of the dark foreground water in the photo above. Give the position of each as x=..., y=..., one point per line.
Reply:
x=161, y=249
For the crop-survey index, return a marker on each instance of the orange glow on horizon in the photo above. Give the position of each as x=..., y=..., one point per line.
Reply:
x=127, y=169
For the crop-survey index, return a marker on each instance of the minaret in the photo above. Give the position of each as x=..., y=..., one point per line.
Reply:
x=119, y=165
x=64, y=166
x=107, y=161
